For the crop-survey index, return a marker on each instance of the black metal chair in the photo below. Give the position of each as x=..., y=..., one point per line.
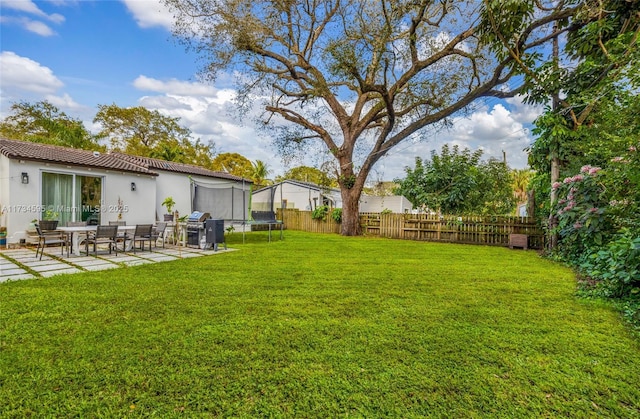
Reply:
x=103, y=235
x=142, y=234
x=49, y=237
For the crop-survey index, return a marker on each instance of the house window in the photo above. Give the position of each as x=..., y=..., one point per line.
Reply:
x=70, y=197
x=284, y=203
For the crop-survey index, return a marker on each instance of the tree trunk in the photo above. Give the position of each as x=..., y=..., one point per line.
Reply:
x=351, y=212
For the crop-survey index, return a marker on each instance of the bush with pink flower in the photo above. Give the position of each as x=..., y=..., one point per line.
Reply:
x=599, y=227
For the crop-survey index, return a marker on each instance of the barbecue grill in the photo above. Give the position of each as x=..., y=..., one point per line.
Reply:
x=195, y=227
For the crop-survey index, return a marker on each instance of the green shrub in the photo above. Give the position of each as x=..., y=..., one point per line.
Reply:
x=336, y=215
x=320, y=213
x=599, y=230
x=617, y=266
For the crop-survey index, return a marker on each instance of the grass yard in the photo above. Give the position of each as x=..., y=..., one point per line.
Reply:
x=317, y=326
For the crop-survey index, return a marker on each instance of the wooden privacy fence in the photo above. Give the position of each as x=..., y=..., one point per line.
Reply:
x=301, y=220
x=489, y=230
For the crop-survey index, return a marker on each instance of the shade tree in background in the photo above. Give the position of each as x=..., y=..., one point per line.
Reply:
x=42, y=122
x=234, y=164
x=309, y=174
x=459, y=182
x=362, y=77
x=142, y=132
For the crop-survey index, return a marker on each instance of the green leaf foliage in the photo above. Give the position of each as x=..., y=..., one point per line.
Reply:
x=459, y=182
x=42, y=122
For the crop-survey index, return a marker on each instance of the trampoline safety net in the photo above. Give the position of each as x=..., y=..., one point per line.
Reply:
x=223, y=202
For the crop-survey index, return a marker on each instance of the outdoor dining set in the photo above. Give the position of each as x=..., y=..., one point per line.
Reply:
x=116, y=236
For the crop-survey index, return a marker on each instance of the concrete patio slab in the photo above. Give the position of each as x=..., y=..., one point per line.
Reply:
x=48, y=274
x=22, y=263
x=92, y=262
x=16, y=277
x=137, y=262
x=14, y=271
x=49, y=267
x=101, y=267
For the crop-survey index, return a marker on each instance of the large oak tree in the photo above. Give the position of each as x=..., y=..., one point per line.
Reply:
x=142, y=132
x=364, y=76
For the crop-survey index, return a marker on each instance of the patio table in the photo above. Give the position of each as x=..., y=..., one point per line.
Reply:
x=76, y=230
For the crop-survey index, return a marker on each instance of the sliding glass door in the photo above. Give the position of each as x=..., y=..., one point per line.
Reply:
x=88, y=198
x=70, y=197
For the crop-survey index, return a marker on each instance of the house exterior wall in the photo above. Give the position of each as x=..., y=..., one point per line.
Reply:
x=22, y=203
x=139, y=208
x=397, y=204
x=296, y=196
x=177, y=186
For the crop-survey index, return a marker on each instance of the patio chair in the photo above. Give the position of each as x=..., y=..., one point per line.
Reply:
x=103, y=235
x=48, y=237
x=142, y=234
x=158, y=232
x=122, y=235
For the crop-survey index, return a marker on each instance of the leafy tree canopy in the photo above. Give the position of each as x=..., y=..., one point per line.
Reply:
x=234, y=164
x=142, y=132
x=259, y=173
x=459, y=182
x=309, y=174
x=354, y=75
x=43, y=122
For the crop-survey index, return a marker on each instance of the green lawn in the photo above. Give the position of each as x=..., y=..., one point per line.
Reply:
x=317, y=326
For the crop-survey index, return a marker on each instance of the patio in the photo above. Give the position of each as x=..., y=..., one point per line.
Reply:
x=22, y=263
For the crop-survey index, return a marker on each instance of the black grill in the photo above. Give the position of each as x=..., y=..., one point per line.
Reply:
x=195, y=227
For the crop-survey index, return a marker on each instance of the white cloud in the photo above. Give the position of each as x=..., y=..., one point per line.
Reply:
x=502, y=128
x=64, y=102
x=28, y=6
x=21, y=73
x=149, y=13
x=523, y=112
x=209, y=113
x=21, y=8
x=175, y=87
x=37, y=27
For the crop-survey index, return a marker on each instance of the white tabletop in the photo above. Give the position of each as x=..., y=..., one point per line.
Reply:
x=81, y=229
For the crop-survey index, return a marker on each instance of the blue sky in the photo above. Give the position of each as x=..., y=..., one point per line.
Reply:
x=78, y=54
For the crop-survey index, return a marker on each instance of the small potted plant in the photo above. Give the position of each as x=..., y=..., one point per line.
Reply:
x=169, y=203
x=49, y=220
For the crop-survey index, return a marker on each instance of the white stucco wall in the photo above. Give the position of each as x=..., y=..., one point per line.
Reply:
x=177, y=186
x=23, y=202
x=297, y=196
x=397, y=204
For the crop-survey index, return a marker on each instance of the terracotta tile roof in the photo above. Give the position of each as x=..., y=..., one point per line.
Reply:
x=171, y=166
x=46, y=153
x=24, y=150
